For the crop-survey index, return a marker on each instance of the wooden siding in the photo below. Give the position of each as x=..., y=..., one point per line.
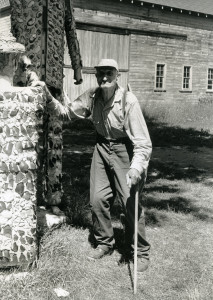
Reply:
x=196, y=52
x=178, y=40
x=95, y=46
x=194, y=49
x=144, y=13
x=5, y=22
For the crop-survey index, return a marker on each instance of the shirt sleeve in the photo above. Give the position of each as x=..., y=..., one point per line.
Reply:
x=137, y=131
x=81, y=107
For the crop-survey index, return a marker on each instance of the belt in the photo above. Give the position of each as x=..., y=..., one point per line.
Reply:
x=102, y=139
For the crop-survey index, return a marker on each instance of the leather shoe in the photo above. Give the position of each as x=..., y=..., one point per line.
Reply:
x=143, y=264
x=99, y=253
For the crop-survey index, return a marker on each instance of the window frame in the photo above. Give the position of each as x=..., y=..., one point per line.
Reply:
x=163, y=88
x=187, y=89
x=207, y=89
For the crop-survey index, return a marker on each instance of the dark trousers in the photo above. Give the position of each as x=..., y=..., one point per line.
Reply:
x=110, y=164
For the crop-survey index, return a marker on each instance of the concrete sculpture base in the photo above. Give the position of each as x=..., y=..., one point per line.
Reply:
x=21, y=143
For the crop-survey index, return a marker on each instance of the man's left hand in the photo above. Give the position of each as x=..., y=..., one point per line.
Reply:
x=132, y=177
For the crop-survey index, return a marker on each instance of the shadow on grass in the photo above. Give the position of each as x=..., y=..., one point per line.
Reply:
x=177, y=205
x=174, y=171
x=76, y=166
x=83, y=132
x=163, y=135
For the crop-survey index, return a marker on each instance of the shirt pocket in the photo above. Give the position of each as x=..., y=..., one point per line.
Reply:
x=117, y=119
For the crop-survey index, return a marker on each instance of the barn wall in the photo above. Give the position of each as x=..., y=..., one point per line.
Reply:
x=145, y=52
x=154, y=42
x=146, y=12
x=94, y=46
x=156, y=36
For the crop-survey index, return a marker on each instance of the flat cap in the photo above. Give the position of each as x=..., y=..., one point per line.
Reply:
x=108, y=62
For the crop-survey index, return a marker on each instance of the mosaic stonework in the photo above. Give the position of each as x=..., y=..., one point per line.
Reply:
x=54, y=78
x=54, y=161
x=21, y=146
x=26, y=21
x=60, y=18
x=55, y=43
x=40, y=26
x=72, y=41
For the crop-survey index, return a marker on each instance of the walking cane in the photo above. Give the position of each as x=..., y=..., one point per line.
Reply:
x=136, y=239
x=136, y=226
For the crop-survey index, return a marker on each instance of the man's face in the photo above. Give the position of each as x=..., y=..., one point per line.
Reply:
x=106, y=77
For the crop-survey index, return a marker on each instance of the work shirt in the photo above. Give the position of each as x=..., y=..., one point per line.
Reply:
x=114, y=121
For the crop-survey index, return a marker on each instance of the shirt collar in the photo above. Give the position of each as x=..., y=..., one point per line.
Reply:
x=116, y=98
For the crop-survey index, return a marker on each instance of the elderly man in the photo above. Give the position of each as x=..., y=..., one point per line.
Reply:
x=120, y=159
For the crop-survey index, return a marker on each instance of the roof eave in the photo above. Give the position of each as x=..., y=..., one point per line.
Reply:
x=199, y=13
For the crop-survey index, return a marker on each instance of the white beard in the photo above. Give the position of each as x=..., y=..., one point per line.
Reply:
x=108, y=90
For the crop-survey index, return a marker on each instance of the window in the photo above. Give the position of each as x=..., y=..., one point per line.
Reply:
x=210, y=79
x=160, y=77
x=187, y=81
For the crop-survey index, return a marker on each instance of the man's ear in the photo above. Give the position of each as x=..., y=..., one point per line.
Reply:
x=118, y=75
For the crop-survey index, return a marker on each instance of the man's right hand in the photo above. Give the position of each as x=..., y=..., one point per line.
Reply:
x=38, y=83
x=132, y=177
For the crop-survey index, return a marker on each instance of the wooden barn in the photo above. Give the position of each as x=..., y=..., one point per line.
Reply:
x=164, y=47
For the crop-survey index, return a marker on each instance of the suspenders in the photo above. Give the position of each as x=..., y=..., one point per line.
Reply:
x=128, y=89
x=124, y=102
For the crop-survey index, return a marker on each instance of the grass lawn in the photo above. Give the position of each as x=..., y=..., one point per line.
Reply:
x=178, y=199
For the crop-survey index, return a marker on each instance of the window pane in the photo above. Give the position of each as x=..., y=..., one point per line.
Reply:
x=158, y=83
x=186, y=72
x=210, y=84
x=186, y=77
x=186, y=83
x=210, y=74
x=159, y=76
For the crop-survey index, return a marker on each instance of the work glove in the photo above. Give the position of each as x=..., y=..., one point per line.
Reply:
x=132, y=177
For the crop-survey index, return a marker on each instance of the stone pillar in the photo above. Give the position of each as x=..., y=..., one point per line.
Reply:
x=21, y=145
x=40, y=26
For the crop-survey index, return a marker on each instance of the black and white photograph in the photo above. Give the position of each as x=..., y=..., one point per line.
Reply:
x=106, y=149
